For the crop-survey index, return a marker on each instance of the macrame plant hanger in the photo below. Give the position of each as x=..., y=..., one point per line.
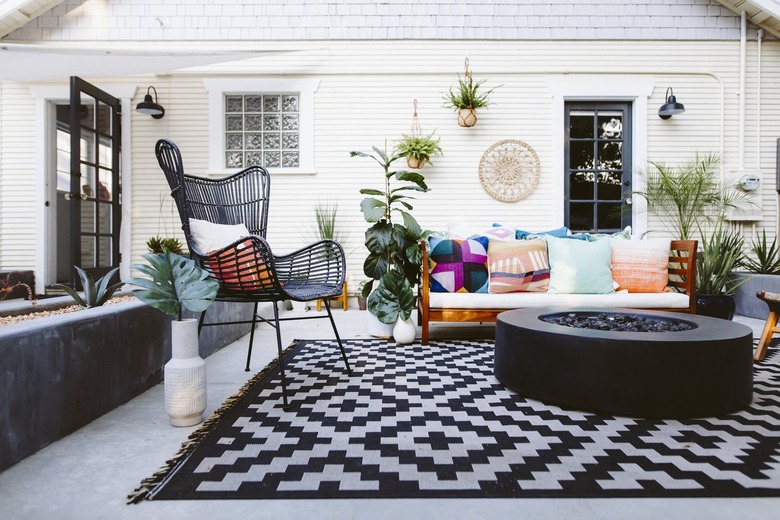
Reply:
x=416, y=129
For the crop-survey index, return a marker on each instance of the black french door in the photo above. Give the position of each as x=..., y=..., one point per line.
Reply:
x=95, y=190
x=598, y=166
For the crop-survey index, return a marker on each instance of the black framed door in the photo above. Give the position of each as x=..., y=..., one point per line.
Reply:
x=597, y=166
x=94, y=197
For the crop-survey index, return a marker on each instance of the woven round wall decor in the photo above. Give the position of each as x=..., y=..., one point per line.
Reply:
x=509, y=170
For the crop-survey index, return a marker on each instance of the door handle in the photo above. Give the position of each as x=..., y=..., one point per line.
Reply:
x=67, y=196
x=628, y=201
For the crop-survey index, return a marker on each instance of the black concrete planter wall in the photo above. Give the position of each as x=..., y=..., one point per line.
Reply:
x=745, y=295
x=59, y=373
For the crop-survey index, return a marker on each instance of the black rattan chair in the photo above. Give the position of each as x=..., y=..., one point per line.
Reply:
x=247, y=269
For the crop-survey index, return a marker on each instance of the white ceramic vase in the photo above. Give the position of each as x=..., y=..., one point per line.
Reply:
x=185, y=376
x=404, y=331
x=299, y=306
x=378, y=329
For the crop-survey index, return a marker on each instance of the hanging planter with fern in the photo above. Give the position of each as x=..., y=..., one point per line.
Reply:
x=466, y=99
x=416, y=147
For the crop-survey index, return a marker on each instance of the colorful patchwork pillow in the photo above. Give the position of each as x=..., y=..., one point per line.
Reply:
x=458, y=265
x=518, y=266
x=579, y=266
x=640, y=266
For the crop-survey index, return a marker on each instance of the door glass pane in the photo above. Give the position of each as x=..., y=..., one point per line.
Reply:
x=104, y=251
x=88, y=182
x=609, y=187
x=104, y=119
x=105, y=158
x=104, y=217
x=105, y=185
x=610, y=125
x=610, y=156
x=581, y=216
x=581, y=186
x=609, y=216
x=87, y=252
x=581, y=125
x=88, y=216
x=581, y=155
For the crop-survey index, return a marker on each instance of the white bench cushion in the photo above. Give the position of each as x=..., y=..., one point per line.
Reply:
x=667, y=300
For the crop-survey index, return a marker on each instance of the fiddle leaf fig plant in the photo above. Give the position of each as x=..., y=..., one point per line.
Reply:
x=394, y=252
x=174, y=282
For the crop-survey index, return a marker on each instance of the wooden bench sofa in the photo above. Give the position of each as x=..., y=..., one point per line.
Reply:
x=467, y=307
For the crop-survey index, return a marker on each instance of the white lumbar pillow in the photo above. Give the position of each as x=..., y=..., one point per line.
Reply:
x=208, y=236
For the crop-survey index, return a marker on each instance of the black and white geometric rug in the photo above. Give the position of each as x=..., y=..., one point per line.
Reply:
x=420, y=422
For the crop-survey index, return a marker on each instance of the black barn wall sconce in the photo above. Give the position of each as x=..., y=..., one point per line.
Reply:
x=149, y=106
x=671, y=107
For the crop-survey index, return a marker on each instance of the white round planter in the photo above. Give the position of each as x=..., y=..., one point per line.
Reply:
x=404, y=331
x=185, y=376
x=378, y=329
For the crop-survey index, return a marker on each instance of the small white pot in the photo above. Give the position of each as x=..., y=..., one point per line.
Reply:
x=299, y=306
x=404, y=331
x=185, y=376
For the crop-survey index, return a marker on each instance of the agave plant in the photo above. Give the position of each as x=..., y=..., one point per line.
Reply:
x=95, y=293
x=720, y=253
x=158, y=244
x=174, y=282
x=767, y=257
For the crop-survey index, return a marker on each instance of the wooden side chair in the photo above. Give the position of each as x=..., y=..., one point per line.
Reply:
x=770, y=327
x=246, y=269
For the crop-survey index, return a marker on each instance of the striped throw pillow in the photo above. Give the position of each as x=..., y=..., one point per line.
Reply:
x=518, y=266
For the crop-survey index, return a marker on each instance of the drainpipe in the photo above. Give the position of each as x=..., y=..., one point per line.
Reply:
x=742, y=59
x=759, y=39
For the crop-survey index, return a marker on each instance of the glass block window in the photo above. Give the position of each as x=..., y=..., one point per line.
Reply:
x=262, y=129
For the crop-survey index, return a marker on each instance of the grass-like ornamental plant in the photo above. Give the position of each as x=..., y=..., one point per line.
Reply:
x=419, y=147
x=174, y=282
x=95, y=293
x=767, y=257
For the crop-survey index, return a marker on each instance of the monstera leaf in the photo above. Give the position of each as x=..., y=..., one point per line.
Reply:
x=174, y=282
x=393, y=299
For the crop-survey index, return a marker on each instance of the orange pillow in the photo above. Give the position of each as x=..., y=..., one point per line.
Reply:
x=238, y=268
x=640, y=266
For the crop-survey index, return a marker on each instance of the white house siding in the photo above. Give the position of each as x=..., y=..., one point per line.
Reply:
x=365, y=97
x=250, y=20
x=410, y=50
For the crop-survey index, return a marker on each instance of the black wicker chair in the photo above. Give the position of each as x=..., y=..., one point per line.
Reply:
x=247, y=269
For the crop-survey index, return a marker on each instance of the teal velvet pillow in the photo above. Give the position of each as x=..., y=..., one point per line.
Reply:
x=579, y=266
x=526, y=235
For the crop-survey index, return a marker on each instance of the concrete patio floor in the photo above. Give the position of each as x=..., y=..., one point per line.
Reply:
x=88, y=474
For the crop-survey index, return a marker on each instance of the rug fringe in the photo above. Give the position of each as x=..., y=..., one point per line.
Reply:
x=146, y=489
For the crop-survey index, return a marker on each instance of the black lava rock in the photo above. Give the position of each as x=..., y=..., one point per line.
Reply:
x=618, y=322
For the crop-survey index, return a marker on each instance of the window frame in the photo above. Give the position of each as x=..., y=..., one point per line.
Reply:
x=217, y=88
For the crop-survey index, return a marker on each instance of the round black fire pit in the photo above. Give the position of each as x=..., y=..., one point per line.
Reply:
x=706, y=370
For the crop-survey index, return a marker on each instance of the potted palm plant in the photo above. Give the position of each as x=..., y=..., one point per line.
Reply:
x=395, y=257
x=466, y=98
x=418, y=149
x=175, y=282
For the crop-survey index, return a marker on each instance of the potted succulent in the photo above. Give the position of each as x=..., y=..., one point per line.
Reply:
x=720, y=253
x=395, y=257
x=759, y=270
x=418, y=149
x=159, y=244
x=175, y=282
x=466, y=98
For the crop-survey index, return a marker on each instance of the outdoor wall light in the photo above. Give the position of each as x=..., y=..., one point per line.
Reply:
x=151, y=107
x=671, y=107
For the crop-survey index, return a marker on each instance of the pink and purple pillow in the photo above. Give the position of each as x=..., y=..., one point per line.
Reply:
x=459, y=265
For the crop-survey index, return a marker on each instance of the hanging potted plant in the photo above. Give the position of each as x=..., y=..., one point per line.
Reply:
x=466, y=99
x=418, y=149
x=176, y=282
x=395, y=256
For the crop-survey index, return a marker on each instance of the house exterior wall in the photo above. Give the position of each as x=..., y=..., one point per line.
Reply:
x=249, y=20
x=365, y=92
